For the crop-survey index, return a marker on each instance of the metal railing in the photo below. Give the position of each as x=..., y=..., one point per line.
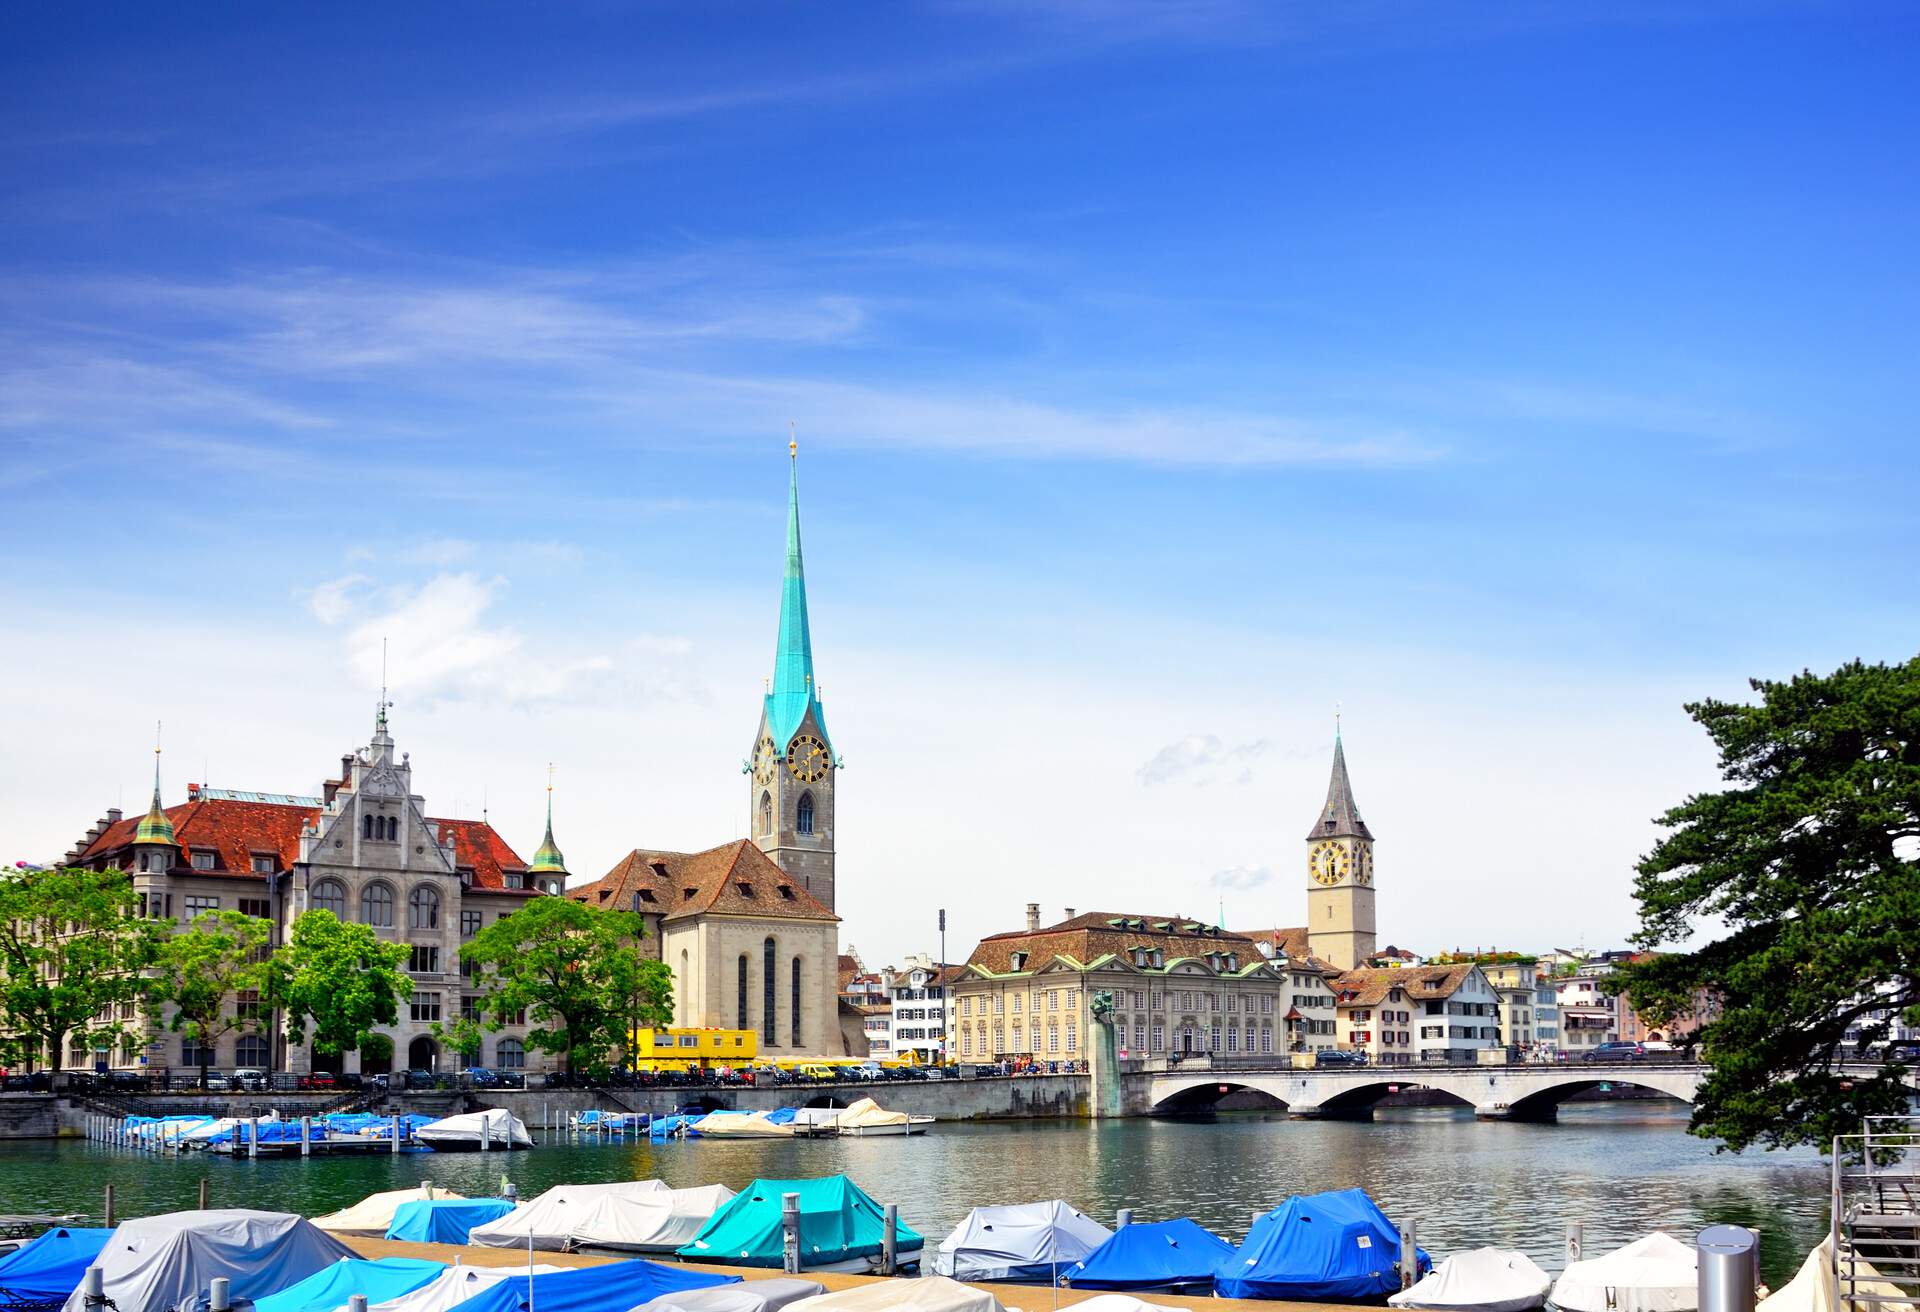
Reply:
x=1874, y=1233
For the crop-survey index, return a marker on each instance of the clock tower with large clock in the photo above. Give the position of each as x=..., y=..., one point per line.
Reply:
x=1340, y=923
x=792, y=768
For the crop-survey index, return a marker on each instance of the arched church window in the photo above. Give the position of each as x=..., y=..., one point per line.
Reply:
x=766, y=813
x=740, y=992
x=366, y=826
x=331, y=895
x=423, y=909
x=805, y=822
x=376, y=905
x=393, y=828
x=769, y=975
x=796, y=1002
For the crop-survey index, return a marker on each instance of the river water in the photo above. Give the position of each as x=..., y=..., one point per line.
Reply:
x=1621, y=1169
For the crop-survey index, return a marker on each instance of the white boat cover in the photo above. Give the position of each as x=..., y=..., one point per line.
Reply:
x=927, y=1294
x=1020, y=1241
x=1655, y=1273
x=749, y=1296
x=660, y=1220
x=1121, y=1303
x=158, y=1263
x=551, y=1217
x=456, y=1285
x=1480, y=1280
x=732, y=1125
x=868, y=1114
x=1812, y=1289
x=205, y=1131
x=467, y=1127
x=817, y=1115
x=373, y=1214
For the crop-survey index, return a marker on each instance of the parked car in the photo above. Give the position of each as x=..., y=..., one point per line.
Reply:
x=348, y=1080
x=379, y=1080
x=253, y=1081
x=482, y=1077
x=125, y=1081
x=219, y=1082
x=1617, y=1050
x=1339, y=1057
x=31, y=1082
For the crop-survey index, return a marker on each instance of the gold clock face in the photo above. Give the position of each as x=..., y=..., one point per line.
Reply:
x=1363, y=866
x=807, y=758
x=1328, y=863
x=763, y=763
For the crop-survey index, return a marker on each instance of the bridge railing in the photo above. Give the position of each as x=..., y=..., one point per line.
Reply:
x=1875, y=1221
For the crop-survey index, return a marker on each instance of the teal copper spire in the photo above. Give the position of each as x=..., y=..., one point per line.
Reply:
x=792, y=692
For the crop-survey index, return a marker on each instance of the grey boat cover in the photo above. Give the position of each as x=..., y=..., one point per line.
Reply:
x=161, y=1263
x=1019, y=1241
x=748, y=1296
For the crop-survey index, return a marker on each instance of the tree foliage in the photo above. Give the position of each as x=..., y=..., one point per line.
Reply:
x=644, y=988
x=1806, y=868
x=71, y=955
x=198, y=972
x=565, y=964
x=341, y=979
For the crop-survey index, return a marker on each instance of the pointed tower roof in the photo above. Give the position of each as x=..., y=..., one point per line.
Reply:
x=548, y=861
x=1339, y=818
x=154, y=827
x=792, y=691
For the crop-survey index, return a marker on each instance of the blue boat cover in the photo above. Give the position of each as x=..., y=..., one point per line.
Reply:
x=51, y=1267
x=615, y=1287
x=1152, y=1255
x=331, y=1286
x=1318, y=1247
x=783, y=1116
x=443, y=1220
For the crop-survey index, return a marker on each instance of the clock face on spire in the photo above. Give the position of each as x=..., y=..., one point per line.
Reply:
x=1363, y=865
x=1327, y=862
x=763, y=762
x=807, y=758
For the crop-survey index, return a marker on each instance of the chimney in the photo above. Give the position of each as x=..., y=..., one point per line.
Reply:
x=346, y=767
x=327, y=789
x=113, y=816
x=1069, y=914
x=1033, y=917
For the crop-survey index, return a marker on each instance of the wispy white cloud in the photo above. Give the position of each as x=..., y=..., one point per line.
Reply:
x=1202, y=759
x=332, y=601
x=1241, y=879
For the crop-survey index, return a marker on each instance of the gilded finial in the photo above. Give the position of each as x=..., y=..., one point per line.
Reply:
x=793, y=442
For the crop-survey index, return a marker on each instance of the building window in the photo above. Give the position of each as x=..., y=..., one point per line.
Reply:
x=1159, y=1039
x=263, y=865
x=192, y=1053
x=469, y=1007
x=256, y=907
x=768, y=970
x=804, y=819
x=1233, y=1039
x=198, y=904
x=1213, y=1039
x=366, y=826
x=766, y=813
x=1072, y=1036
x=331, y=895
x=251, y=1050
x=425, y=960
x=247, y=1006
x=510, y=1055
x=740, y=992
x=203, y=860
x=425, y=1006
x=469, y=924
x=423, y=908
x=796, y=1002
x=376, y=905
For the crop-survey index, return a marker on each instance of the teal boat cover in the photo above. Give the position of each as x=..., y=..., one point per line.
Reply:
x=331, y=1287
x=44, y=1272
x=1335, y=1246
x=837, y=1222
x=1164, y=1255
x=615, y=1287
x=444, y=1220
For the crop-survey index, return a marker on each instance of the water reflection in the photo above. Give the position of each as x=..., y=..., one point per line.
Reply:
x=1619, y=1169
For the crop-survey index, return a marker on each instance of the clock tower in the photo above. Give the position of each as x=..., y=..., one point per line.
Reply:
x=1340, y=923
x=792, y=768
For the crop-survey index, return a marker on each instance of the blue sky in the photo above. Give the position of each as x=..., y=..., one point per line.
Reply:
x=1164, y=374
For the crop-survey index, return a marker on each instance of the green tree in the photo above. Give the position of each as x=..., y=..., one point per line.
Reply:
x=463, y=1037
x=562, y=963
x=644, y=988
x=202, y=977
x=72, y=951
x=340, y=978
x=1805, y=869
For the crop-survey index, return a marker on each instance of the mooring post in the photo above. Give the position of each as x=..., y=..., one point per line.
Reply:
x=1123, y=1218
x=93, y=1289
x=109, y=1207
x=890, y=1240
x=357, y=1303
x=306, y=1136
x=396, y=1135
x=486, y=1133
x=253, y=1136
x=1409, y=1256
x=790, y=1233
x=220, y=1294
x=203, y=1193
x=1576, y=1234
x=1728, y=1268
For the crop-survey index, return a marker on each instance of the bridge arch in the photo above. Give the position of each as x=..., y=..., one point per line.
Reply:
x=1358, y=1101
x=1204, y=1097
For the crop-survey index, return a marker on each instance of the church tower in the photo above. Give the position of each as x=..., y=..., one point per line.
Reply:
x=1340, y=923
x=792, y=769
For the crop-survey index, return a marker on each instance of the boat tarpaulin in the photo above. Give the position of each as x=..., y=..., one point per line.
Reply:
x=658, y=1221
x=838, y=1221
x=500, y=1127
x=1480, y=1280
x=732, y=1125
x=1314, y=1247
x=550, y=1218
x=373, y=1214
x=749, y=1296
x=455, y=1286
x=45, y=1271
x=867, y=1114
x=1812, y=1288
x=1655, y=1273
x=331, y=1287
x=1121, y=1303
x=1020, y=1241
x=444, y=1220
x=929, y=1294
x=614, y=1287
x=1152, y=1255
x=160, y=1263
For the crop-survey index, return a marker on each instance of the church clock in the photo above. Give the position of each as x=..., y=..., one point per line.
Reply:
x=1328, y=863
x=764, y=763
x=807, y=758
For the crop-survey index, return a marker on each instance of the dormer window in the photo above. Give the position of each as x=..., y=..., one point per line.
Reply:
x=786, y=892
x=203, y=860
x=746, y=889
x=659, y=868
x=262, y=865
x=646, y=895
x=687, y=894
x=1019, y=961
x=514, y=880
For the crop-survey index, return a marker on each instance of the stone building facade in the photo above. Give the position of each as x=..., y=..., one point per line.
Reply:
x=1403, y=1015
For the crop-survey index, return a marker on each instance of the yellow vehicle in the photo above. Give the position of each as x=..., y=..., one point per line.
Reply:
x=816, y=1071
x=689, y=1049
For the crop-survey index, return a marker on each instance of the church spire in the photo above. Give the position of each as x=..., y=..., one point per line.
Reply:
x=1339, y=818
x=154, y=827
x=548, y=861
x=793, y=691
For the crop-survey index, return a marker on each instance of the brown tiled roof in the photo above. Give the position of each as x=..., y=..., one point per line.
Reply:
x=849, y=969
x=1096, y=934
x=236, y=831
x=1365, y=987
x=1286, y=942
x=735, y=879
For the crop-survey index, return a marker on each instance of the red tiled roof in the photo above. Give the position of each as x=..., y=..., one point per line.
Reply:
x=1291, y=942
x=1099, y=933
x=735, y=878
x=478, y=846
